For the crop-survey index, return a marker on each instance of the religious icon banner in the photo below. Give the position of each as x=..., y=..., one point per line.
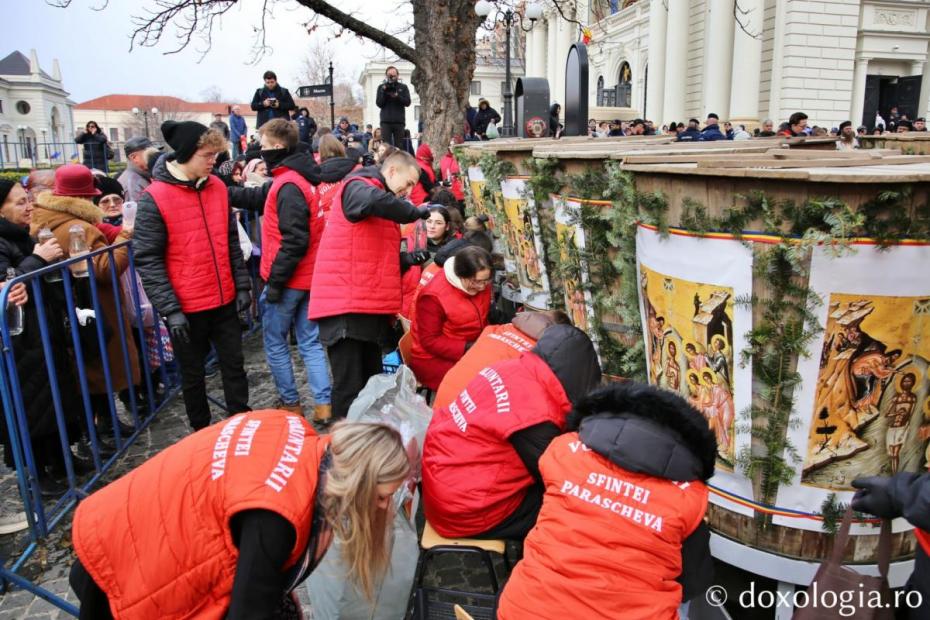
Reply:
x=521, y=234
x=863, y=407
x=476, y=185
x=694, y=330
x=570, y=236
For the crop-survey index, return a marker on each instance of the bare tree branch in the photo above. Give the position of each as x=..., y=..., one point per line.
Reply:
x=739, y=14
x=348, y=22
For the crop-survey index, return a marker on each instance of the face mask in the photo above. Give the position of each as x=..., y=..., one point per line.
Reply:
x=274, y=157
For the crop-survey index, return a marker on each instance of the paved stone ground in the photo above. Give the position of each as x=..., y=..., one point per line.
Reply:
x=50, y=564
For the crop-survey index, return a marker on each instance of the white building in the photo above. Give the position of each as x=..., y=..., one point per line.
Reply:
x=487, y=83
x=35, y=112
x=674, y=59
x=122, y=117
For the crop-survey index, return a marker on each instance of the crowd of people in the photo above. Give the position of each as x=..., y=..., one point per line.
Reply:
x=364, y=248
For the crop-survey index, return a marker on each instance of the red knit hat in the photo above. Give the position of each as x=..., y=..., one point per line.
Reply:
x=75, y=180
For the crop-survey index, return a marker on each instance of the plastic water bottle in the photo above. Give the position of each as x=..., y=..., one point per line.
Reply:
x=77, y=247
x=129, y=214
x=44, y=235
x=14, y=313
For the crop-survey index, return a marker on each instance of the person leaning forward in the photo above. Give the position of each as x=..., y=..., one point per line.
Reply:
x=356, y=279
x=228, y=521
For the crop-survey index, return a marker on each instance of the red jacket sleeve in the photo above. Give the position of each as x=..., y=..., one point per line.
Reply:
x=429, y=320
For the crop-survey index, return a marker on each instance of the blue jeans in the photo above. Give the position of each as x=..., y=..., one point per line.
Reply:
x=276, y=323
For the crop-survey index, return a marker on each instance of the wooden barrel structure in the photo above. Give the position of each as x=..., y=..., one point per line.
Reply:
x=715, y=224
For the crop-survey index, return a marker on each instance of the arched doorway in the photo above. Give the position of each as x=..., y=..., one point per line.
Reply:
x=624, y=85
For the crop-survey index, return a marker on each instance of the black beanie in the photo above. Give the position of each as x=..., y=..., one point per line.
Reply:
x=183, y=138
x=107, y=186
x=6, y=186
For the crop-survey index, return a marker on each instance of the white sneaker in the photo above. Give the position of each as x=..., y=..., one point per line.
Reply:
x=11, y=519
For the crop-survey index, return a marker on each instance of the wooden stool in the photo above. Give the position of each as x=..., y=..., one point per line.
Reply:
x=432, y=544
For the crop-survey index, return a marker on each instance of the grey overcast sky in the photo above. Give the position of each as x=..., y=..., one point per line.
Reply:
x=92, y=47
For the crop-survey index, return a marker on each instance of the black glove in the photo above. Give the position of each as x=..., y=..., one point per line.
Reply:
x=409, y=259
x=423, y=212
x=874, y=497
x=272, y=294
x=179, y=327
x=243, y=301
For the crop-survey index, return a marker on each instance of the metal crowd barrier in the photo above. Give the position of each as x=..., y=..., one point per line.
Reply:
x=45, y=298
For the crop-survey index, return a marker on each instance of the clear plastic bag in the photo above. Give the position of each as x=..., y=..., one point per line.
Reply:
x=389, y=399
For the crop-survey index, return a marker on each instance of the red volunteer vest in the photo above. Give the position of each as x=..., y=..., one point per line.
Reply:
x=473, y=478
x=327, y=191
x=271, y=234
x=425, y=276
x=495, y=344
x=157, y=540
x=465, y=315
x=357, y=267
x=607, y=543
x=197, y=248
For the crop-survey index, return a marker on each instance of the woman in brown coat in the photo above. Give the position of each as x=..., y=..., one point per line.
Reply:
x=66, y=205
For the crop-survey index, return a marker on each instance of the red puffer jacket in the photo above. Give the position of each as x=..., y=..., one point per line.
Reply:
x=157, y=541
x=473, y=477
x=197, y=252
x=358, y=266
x=446, y=320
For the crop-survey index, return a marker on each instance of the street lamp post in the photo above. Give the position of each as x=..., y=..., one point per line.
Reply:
x=533, y=11
x=145, y=117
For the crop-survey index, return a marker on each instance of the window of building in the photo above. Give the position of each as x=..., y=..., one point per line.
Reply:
x=1, y=106
x=474, y=88
x=504, y=87
x=23, y=107
x=6, y=147
x=114, y=134
x=416, y=112
x=127, y=133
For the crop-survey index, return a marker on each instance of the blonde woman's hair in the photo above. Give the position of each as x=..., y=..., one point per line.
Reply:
x=364, y=456
x=330, y=147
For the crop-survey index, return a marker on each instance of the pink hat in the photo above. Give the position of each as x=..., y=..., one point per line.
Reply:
x=74, y=180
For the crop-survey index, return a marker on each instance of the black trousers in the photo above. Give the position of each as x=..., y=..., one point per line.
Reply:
x=393, y=134
x=218, y=327
x=94, y=602
x=352, y=363
x=519, y=523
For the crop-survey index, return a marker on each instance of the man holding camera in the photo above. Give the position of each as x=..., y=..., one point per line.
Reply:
x=272, y=101
x=392, y=97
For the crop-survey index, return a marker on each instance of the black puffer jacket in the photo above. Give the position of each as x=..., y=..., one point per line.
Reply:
x=651, y=431
x=16, y=251
x=95, y=149
x=150, y=239
x=335, y=169
x=293, y=220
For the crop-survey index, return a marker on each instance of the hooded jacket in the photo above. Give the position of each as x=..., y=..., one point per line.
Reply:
x=293, y=224
x=473, y=477
x=712, y=133
x=427, y=182
x=483, y=117
x=624, y=491
x=60, y=213
x=446, y=321
x=158, y=255
x=332, y=171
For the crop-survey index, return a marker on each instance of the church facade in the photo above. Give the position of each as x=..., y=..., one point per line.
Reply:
x=745, y=60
